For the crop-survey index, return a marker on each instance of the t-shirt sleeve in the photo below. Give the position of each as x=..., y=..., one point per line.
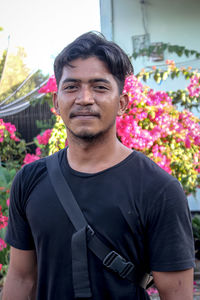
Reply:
x=170, y=237
x=18, y=233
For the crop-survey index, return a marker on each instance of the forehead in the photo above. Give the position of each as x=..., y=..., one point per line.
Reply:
x=87, y=69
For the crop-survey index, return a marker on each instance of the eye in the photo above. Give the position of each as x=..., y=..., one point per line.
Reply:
x=70, y=88
x=100, y=88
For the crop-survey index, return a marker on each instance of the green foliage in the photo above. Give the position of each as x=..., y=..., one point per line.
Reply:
x=6, y=178
x=15, y=73
x=161, y=47
x=58, y=137
x=12, y=149
x=12, y=152
x=196, y=226
x=43, y=125
x=180, y=96
x=2, y=62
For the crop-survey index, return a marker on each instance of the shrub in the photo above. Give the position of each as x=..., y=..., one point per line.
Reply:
x=12, y=149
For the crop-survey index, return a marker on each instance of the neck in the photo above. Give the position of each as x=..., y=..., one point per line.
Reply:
x=95, y=156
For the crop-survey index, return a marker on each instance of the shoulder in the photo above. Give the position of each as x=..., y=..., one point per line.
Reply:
x=26, y=179
x=32, y=170
x=150, y=167
x=148, y=175
x=154, y=189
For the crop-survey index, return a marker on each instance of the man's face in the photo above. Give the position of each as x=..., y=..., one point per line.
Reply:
x=88, y=98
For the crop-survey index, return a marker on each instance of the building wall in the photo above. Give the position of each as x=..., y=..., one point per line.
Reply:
x=170, y=21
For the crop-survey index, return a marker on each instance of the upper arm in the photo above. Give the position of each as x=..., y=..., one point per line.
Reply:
x=23, y=263
x=169, y=230
x=174, y=285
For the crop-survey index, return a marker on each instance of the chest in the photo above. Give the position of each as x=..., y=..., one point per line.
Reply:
x=109, y=210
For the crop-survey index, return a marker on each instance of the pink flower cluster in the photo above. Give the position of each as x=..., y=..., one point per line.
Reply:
x=3, y=219
x=7, y=128
x=2, y=244
x=49, y=87
x=152, y=291
x=151, y=121
x=144, y=108
x=194, y=87
x=3, y=224
x=43, y=139
x=30, y=158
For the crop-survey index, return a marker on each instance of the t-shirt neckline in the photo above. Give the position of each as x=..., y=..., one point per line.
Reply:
x=83, y=174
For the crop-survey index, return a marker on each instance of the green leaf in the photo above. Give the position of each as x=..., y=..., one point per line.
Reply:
x=165, y=75
x=187, y=52
x=157, y=77
x=173, y=75
x=135, y=55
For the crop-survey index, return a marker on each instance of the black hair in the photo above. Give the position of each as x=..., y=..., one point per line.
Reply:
x=95, y=44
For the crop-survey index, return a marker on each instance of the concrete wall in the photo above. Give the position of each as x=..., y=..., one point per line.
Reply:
x=172, y=21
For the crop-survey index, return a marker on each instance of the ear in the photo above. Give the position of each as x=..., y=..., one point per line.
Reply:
x=55, y=103
x=123, y=103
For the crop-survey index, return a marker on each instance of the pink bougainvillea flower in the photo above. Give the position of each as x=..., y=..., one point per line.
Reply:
x=187, y=142
x=152, y=291
x=10, y=128
x=3, y=219
x=49, y=87
x=8, y=201
x=53, y=111
x=194, y=86
x=2, y=244
x=43, y=139
x=38, y=151
x=30, y=158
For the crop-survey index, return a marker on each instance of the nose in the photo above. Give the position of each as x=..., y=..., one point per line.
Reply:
x=84, y=96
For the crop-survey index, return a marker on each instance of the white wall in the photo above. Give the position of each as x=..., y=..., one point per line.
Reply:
x=169, y=21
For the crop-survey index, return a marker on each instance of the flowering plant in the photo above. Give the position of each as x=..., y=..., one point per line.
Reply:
x=6, y=177
x=49, y=87
x=171, y=138
x=188, y=97
x=58, y=138
x=12, y=149
x=42, y=150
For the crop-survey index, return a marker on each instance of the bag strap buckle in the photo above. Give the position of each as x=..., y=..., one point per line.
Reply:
x=118, y=264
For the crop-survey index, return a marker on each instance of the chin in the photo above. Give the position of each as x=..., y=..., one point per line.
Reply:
x=86, y=135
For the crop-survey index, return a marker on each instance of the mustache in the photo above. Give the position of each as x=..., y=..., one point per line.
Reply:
x=83, y=112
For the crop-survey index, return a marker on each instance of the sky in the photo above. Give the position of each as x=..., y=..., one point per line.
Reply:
x=45, y=27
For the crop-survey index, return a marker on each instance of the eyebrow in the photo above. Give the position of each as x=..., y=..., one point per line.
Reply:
x=90, y=81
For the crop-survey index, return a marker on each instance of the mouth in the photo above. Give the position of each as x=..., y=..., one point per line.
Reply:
x=85, y=115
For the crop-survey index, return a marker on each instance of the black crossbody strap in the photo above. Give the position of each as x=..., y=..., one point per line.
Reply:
x=81, y=282
x=63, y=192
x=111, y=259
x=80, y=274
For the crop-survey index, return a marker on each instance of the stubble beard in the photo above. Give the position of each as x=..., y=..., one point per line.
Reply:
x=91, y=138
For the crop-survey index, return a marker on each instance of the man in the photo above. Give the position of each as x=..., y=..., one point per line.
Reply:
x=134, y=207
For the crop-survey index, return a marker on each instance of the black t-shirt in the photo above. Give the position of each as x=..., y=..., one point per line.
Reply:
x=135, y=207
